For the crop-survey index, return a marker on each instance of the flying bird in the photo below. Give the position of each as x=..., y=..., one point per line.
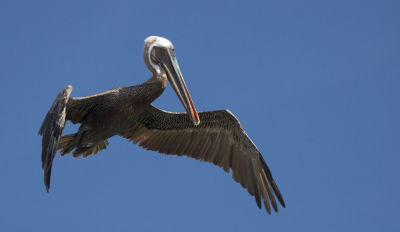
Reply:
x=128, y=112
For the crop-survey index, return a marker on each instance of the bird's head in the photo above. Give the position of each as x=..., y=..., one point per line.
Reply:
x=159, y=56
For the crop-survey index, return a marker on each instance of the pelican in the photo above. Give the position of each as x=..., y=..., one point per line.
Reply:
x=128, y=112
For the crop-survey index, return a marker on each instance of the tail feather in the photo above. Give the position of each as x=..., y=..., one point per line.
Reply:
x=66, y=144
x=85, y=151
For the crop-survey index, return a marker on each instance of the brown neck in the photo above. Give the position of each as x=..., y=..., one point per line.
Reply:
x=158, y=78
x=153, y=88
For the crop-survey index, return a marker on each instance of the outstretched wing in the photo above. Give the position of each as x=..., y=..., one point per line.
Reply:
x=219, y=139
x=51, y=130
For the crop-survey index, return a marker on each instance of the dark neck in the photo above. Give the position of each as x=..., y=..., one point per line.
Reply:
x=155, y=86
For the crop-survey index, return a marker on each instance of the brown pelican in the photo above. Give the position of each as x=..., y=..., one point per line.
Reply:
x=127, y=112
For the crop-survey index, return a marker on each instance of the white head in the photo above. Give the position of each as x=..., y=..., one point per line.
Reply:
x=156, y=41
x=159, y=56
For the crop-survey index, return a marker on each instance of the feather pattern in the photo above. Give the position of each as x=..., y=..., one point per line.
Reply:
x=218, y=139
x=51, y=130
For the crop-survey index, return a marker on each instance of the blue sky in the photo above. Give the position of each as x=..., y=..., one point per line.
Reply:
x=314, y=83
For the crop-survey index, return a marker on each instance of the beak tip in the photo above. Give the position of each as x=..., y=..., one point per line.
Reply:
x=197, y=122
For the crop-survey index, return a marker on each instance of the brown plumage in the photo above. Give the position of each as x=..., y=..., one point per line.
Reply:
x=127, y=112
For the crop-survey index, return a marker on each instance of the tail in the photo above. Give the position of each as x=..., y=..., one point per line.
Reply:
x=67, y=143
x=51, y=130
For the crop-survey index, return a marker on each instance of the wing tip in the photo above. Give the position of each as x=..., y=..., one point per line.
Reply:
x=272, y=183
x=280, y=199
x=51, y=130
x=47, y=176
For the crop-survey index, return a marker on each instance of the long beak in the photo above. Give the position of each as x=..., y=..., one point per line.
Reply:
x=170, y=64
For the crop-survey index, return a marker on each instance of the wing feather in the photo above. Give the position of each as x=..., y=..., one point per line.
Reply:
x=51, y=130
x=219, y=139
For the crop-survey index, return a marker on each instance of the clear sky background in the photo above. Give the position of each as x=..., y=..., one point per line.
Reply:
x=314, y=83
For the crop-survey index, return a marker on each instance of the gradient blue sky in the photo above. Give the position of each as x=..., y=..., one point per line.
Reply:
x=314, y=83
